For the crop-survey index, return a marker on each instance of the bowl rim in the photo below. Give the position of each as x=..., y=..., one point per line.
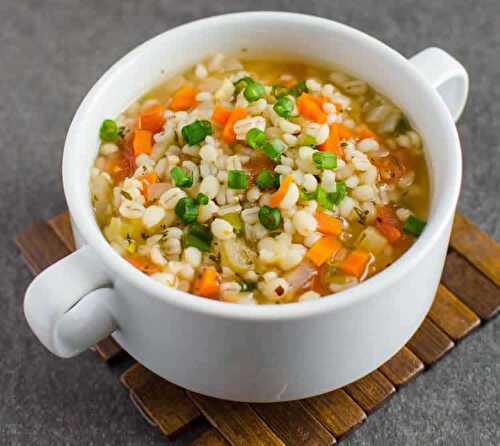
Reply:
x=437, y=224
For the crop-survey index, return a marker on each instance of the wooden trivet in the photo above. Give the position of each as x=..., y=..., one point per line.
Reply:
x=469, y=294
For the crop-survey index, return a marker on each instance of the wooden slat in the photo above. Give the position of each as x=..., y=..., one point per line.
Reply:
x=210, y=438
x=108, y=349
x=166, y=404
x=430, y=343
x=40, y=246
x=238, y=423
x=293, y=424
x=451, y=315
x=371, y=391
x=62, y=227
x=402, y=367
x=477, y=247
x=337, y=411
x=472, y=287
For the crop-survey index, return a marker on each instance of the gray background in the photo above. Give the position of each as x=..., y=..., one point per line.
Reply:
x=51, y=53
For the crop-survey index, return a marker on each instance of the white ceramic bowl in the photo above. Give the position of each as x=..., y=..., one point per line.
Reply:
x=253, y=353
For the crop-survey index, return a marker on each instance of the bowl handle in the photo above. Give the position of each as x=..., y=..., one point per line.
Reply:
x=68, y=305
x=446, y=75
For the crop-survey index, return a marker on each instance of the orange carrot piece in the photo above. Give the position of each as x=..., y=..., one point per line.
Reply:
x=309, y=107
x=332, y=144
x=208, y=284
x=344, y=132
x=152, y=118
x=323, y=250
x=184, y=98
x=281, y=192
x=355, y=263
x=228, y=134
x=148, y=179
x=364, y=132
x=220, y=115
x=388, y=224
x=143, y=264
x=327, y=224
x=143, y=142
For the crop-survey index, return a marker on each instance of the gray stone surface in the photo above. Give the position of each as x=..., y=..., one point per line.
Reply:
x=51, y=53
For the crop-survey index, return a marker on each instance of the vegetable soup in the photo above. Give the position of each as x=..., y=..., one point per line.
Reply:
x=260, y=182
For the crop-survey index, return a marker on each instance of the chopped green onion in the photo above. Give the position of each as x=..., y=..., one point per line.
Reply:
x=181, y=177
x=340, y=192
x=279, y=90
x=274, y=149
x=269, y=217
x=325, y=160
x=192, y=240
x=283, y=106
x=235, y=220
x=414, y=226
x=308, y=196
x=200, y=231
x=237, y=179
x=254, y=91
x=109, y=131
x=196, y=132
x=242, y=83
x=267, y=180
x=247, y=286
x=308, y=140
x=324, y=199
x=299, y=88
x=187, y=210
x=256, y=138
x=201, y=199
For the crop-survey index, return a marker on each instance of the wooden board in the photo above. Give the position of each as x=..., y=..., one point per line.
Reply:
x=468, y=295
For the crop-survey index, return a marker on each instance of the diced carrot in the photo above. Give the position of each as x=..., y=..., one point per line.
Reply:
x=320, y=100
x=278, y=196
x=220, y=115
x=355, y=263
x=152, y=119
x=147, y=180
x=289, y=83
x=327, y=224
x=344, y=132
x=309, y=107
x=332, y=144
x=144, y=264
x=388, y=224
x=184, y=98
x=364, y=132
x=323, y=250
x=143, y=142
x=228, y=134
x=208, y=284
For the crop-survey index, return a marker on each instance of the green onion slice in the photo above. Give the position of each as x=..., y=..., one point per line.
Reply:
x=299, y=88
x=237, y=179
x=269, y=217
x=267, y=180
x=274, y=149
x=181, y=177
x=283, y=106
x=325, y=160
x=196, y=132
x=254, y=91
x=187, y=210
x=109, y=130
x=414, y=225
x=256, y=138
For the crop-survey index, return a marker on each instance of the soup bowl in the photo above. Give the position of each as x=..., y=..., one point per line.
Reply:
x=259, y=353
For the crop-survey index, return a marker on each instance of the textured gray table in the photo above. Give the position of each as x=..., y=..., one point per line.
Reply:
x=52, y=52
